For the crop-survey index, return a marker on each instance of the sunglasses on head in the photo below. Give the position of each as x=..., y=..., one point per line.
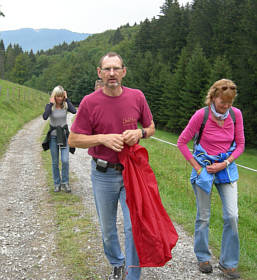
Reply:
x=224, y=88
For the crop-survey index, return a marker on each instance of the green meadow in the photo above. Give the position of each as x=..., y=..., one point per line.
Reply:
x=18, y=105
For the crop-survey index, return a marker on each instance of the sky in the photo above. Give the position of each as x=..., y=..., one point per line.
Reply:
x=83, y=16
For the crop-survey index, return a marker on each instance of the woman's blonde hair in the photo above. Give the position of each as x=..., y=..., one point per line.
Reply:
x=59, y=91
x=224, y=88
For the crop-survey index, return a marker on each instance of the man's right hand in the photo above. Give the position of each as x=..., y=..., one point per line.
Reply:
x=113, y=141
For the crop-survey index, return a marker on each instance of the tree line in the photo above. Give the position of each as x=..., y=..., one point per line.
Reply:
x=173, y=58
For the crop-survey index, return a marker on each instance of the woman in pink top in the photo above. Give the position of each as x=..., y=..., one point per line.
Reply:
x=216, y=139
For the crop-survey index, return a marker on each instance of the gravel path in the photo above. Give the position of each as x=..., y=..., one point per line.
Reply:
x=27, y=229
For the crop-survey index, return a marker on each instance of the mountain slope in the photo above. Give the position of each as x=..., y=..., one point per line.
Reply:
x=40, y=39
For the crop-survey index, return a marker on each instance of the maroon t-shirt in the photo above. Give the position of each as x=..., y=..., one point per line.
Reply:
x=99, y=113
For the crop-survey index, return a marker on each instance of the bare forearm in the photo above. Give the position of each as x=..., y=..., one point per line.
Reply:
x=112, y=141
x=150, y=130
x=194, y=164
x=84, y=141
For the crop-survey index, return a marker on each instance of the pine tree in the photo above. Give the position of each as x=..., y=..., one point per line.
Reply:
x=158, y=80
x=2, y=59
x=196, y=84
x=204, y=18
x=221, y=69
x=116, y=38
x=10, y=56
x=143, y=40
x=166, y=6
x=245, y=69
x=21, y=71
x=173, y=94
x=173, y=30
x=84, y=86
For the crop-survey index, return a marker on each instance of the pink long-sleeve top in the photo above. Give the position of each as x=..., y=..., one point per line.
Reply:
x=215, y=139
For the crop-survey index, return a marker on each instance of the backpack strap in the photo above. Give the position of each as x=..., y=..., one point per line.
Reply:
x=199, y=134
x=206, y=114
x=232, y=114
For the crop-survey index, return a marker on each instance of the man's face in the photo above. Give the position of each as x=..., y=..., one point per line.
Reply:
x=111, y=72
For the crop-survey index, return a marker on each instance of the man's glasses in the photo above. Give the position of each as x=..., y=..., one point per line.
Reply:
x=114, y=69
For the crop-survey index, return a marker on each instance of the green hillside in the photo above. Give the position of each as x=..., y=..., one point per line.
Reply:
x=76, y=69
x=18, y=105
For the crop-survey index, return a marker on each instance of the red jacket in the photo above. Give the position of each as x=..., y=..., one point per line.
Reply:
x=153, y=232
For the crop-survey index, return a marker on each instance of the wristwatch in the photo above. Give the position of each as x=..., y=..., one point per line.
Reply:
x=143, y=133
x=227, y=162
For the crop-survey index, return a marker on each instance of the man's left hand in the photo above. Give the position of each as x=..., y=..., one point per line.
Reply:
x=132, y=136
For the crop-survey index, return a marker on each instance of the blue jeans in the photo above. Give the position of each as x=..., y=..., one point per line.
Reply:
x=108, y=189
x=229, y=256
x=54, y=148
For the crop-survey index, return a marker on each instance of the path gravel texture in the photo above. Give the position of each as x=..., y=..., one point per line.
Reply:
x=27, y=228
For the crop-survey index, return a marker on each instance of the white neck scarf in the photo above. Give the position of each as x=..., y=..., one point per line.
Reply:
x=218, y=115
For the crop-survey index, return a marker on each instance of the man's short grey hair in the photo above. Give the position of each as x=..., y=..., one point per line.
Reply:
x=110, y=54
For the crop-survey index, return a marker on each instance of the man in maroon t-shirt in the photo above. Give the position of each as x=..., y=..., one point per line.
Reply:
x=106, y=120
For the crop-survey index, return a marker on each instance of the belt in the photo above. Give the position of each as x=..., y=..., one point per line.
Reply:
x=116, y=166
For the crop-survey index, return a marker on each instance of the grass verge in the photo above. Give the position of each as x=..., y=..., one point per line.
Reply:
x=75, y=231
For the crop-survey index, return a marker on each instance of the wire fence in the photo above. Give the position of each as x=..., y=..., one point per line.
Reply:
x=21, y=94
x=175, y=145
